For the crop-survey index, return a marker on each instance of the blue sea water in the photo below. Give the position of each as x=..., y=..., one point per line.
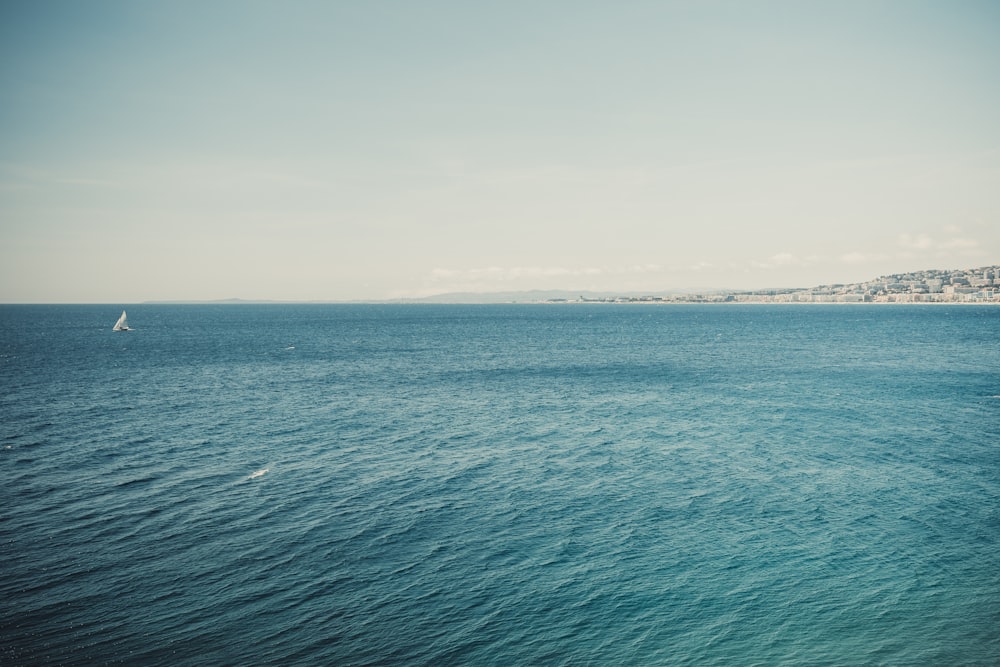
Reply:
x=500, y=485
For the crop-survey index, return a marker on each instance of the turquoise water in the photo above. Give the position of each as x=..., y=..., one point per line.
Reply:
x=500, y=485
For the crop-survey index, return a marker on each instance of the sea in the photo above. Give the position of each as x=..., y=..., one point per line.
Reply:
x=520, y=484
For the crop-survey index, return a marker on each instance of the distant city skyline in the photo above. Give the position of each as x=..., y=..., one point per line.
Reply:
x=980, y=286
x=372, y=151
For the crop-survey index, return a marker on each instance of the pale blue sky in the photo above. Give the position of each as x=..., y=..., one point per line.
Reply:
x=369, y=150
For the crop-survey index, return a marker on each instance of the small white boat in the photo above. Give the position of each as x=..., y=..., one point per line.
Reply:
x=121, y=324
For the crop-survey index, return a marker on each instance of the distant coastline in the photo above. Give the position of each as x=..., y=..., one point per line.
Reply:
x=978, y=285
x=975, y=286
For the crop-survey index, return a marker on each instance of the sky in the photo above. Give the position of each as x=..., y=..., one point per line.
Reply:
x=294, y=150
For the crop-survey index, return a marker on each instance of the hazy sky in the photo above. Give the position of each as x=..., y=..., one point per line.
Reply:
x=368, y=150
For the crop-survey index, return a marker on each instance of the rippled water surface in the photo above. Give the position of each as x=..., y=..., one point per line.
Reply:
x=500, y=485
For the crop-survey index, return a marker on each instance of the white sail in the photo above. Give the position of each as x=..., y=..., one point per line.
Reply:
x=121, y=324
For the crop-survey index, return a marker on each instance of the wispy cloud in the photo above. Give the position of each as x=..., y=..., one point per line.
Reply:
x=88, y=182
x=915, y=241
x=785, y=260
x=23, y=176
x=502, y=274
x=952, y=241
x=13, y=187
x=858, y=257
x=961, y=243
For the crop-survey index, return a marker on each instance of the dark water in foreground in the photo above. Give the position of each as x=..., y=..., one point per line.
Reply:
x=500, y=485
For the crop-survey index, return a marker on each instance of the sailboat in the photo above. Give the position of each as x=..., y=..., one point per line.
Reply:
x=121, y=324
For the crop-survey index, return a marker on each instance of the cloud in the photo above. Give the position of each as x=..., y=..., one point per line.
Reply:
x=513, y=273
x=784, y=259
x=88, y=182
x=960, y=244
x=444, y=274
x=857, y=257
x=912, y=245
x=505, y=274
x=915, y=242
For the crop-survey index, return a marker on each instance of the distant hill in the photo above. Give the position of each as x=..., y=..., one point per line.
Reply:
x=947, y=285
x=530, y=296
x=926, y=285
x=174, y=302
